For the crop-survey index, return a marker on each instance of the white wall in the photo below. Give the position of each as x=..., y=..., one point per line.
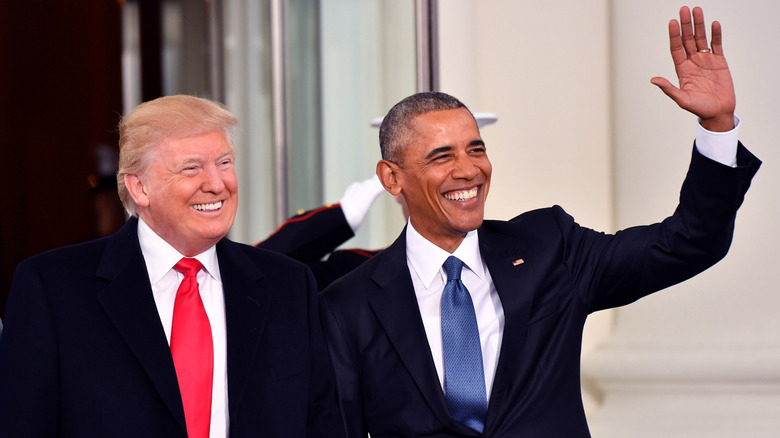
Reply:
x=543, y=68
x=736, y=299
x=713, y=341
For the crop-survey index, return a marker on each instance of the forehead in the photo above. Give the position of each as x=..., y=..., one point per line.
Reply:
x=205, y=143
x=451, y=127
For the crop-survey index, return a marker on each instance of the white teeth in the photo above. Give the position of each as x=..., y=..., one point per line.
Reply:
x=463, y=195
x=208, y=207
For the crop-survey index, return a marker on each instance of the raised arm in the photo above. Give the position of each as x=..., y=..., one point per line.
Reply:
x=705, y=85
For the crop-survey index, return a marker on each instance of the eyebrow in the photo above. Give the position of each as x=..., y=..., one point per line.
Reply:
x=196, y=159
x=189, y=160
x=226, y=153
x=443, y=149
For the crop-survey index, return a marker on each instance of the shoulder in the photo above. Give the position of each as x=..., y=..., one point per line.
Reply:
x=88, y=256
x=361, y=274
x=532, y=222
x=65, y=278
x=541, y=230
x=257, y=256
x=369, y=276
x=68, y=258
x=251, y=271
x=282, y=273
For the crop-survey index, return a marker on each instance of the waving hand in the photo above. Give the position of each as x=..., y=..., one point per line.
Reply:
x=705, y=85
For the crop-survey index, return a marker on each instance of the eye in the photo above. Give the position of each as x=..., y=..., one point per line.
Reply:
x=441, y=158
x=225, y=163
x=190, y=169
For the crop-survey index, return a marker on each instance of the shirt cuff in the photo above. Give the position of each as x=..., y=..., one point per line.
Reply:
x=719, y=146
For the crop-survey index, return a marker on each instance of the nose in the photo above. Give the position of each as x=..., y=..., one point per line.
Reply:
x=212, y=180
x=465, y=167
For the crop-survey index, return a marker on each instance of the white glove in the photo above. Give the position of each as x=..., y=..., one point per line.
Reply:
x=358, y=198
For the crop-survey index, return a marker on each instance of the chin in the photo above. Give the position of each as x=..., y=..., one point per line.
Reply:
x=469, y=226
x=214, y=235
x=474, y=221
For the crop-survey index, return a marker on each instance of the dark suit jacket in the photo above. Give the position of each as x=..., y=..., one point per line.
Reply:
x=311, y=237
x=84, y=354
x=386, y=376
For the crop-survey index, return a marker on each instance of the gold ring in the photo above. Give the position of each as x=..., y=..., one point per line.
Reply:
x=705, y=50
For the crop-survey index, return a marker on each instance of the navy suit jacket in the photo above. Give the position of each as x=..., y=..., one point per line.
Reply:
x=84, y=353
x=550, y=273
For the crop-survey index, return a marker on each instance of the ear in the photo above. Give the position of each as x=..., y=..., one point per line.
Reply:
x=136, y=189
x=388, y=173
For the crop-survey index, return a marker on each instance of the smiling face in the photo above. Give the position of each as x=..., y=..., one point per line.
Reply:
x=444, y=176
x=189, y=193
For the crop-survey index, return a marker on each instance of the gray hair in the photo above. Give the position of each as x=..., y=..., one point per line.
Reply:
x=396, y=128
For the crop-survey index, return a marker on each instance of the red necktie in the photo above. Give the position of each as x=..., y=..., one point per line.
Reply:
x=192, y=350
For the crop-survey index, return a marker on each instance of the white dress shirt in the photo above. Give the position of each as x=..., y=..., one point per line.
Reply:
x=160, y=257
x=719, y=146
x=425, y=262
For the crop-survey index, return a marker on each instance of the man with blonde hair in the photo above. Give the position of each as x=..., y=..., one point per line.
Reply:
x=167, y=328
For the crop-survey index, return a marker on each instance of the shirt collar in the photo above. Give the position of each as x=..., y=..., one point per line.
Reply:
x=427, y=259
x=160, y=256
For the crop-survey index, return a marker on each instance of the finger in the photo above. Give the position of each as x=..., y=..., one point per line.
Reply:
x=700, y=30
x=675, y=43
x=686, y=28
x=717, y=38
x=670, y=90
x=661, y=83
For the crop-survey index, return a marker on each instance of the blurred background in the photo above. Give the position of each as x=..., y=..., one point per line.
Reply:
x=579, y=125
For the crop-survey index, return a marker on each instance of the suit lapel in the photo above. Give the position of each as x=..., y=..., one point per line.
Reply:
x=395, y=299
x=511, y=268
x=129, y=304
x=246, y=313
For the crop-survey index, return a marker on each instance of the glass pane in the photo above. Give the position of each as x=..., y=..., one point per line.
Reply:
x=185, y=48
x=302, y=67
x=368, y=64
x=247, y=45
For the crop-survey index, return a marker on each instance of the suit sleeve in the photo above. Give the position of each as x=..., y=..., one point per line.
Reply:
x=614, y=270
x=29, y=377
x=311, y=235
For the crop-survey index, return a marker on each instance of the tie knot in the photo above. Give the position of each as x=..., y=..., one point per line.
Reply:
x=453, y=266
x=188, y=266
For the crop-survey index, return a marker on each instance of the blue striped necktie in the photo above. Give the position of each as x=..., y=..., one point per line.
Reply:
x=464, y=377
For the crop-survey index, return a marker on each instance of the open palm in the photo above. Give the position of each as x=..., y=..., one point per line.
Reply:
x=705, y=85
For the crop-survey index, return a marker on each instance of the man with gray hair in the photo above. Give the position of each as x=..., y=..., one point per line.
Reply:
x=466, y=327
x=167, y=328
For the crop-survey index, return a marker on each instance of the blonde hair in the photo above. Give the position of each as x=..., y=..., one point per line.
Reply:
x=144, y=128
